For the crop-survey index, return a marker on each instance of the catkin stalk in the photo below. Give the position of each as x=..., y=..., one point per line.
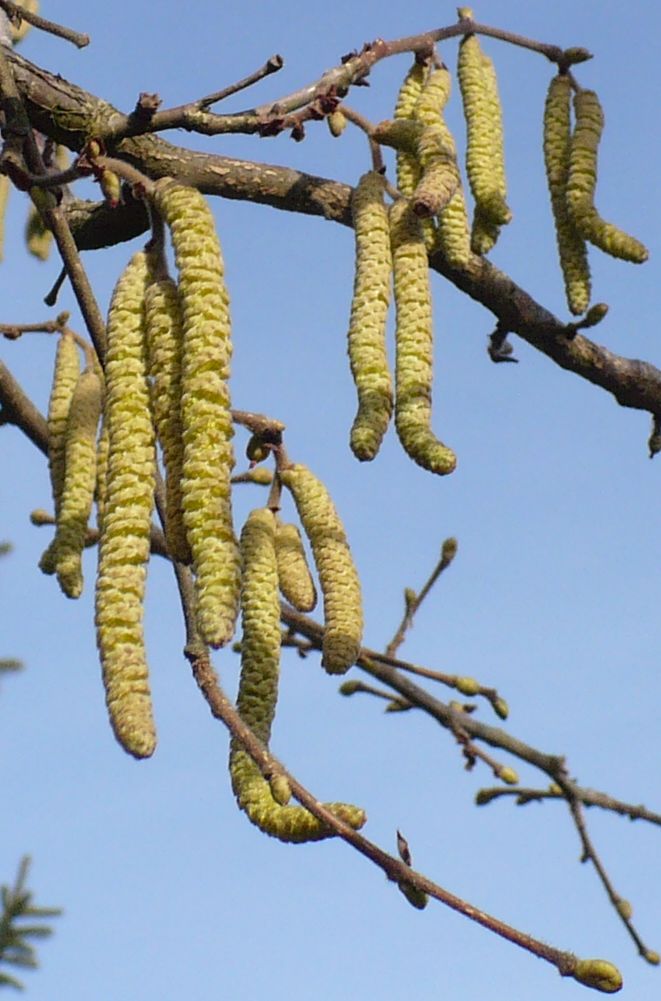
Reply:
x=258, y=693
x=414, y=340
x=571, y=246
x=369, y=312
x=124, y=543
x=205, y=409
x=79, y=482
x=340, y=585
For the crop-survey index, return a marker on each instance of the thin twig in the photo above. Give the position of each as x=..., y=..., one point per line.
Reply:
x=18, y=13
x=272, y=65
x=413, y=601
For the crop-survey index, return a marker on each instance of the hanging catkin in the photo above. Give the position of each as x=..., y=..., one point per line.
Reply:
x=124, y=543
x=571, y=246
x=205, y=408
x=369, y=312
x=65, y=377
x=164, y=337
x=340, y=586
x=414, y=341
x=582, y=181
x=258, y=692
x=79, y=482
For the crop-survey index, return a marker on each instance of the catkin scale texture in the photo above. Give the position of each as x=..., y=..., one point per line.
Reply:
x=452, y=235
x=124, y=543
x=582, y=182
x=205, y=409
x=571, y=246
x=340, y=586
x=65, y=377
x=79, y=482
x=408, y=168
x=414, y=342
x=369, y=312
x=484, y=154
x=164, y=334
x=258, y=691
x=294, y=576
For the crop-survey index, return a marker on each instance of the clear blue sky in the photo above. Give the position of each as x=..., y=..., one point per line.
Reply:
x=554, y=597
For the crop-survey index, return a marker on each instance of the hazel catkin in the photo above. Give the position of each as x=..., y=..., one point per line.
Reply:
x=369, y=312
x=582, y=181
x=164, y=339
x=264, y=801
x=414, y=341
x=205, y=408
x=79, y=482
x=340, y=586
x=571, y=245
x=294, y=575
x=125, y=536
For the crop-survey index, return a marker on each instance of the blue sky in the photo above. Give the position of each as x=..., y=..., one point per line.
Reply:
x=553, y=597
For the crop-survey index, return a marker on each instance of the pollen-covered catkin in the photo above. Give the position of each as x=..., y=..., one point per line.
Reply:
x=369, y=312
x=571, y=246
x=79, y=482
x=440, y=178
x=484, y=149
x=258, y=693
x=205, y=408
x=408, y=168
x=163, y=329
x=125, y=538
x=582, y=181
x=65, y=377
x=453, y=234
x=414, y=344
x=294, y=575
x=340, y=586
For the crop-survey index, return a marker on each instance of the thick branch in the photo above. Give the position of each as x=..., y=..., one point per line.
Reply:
x=70, y=115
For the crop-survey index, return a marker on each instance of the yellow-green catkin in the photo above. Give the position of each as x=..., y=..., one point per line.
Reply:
x=408, y=168
x=582, y=181
x=164, y=334
x=369, y=312
x=439, y=178
x=65, y=377
x=125, y=539
x=338, y=577
x=79, y=482
x=294, y=575
x=38, y=238
x=102, y=447
x=258, y=692
x=414, y=343
x=571, y=245
x=205, y=409
x=484, y=136
x=453, y=234
x=4, y=198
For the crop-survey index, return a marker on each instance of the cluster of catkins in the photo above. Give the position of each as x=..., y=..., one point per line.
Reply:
x=165, y=380
x=392, y=244
x=430, y=215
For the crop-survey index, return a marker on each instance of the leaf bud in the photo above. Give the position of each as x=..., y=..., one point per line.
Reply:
x=449, y=550
x=467, y=686
x=508, y=775
x=574, y=55
x=598, y=973
x=624, y=908
x=501, y=708
x=350, y=687
x=41, y=517
x=652, y=957
x=417, y=898
x=280, y=789
x=337, y=123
